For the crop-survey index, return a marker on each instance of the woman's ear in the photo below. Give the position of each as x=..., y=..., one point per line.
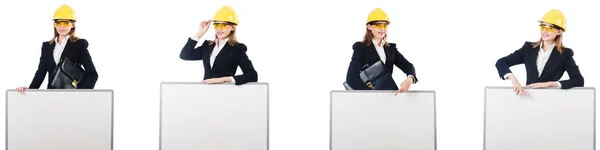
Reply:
x=559, y=32
x=233, y=28
x=72, y=25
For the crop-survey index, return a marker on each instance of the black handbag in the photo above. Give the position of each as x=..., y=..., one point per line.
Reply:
x=376, y=77
x=67, y=75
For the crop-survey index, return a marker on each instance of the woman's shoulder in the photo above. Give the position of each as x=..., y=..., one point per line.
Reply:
x=529, y=45
x=392, y=45
x=46, y=46
x=77, y=41
x=45, y=43
x=81, y=41
x=359, y=45
x=240, y=47
x=568, y=51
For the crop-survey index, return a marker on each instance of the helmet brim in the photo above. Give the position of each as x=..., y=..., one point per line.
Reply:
x=223, y=21
x=378, y=21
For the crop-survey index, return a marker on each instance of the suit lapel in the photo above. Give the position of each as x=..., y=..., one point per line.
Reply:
x=389, y=53
x=532, y=60
x=373, y=51
x=223, y=51
x=66, y=50
x=386, y=50
x=52, y=48
x=550, y=64
x=50, y=52
x=206, y=55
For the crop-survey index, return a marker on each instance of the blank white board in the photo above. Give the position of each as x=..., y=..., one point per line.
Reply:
x=549, y=119
x=378, y=120
x=59, y=120
x=197, y=116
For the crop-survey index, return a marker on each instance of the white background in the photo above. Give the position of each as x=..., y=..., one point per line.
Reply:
x=302, y=49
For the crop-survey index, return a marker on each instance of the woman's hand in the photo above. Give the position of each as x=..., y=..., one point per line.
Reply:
x=203, y=28
x=21, y=89
x=542, y=85
x=217, y=80
x=405, y=85
x=517, y=87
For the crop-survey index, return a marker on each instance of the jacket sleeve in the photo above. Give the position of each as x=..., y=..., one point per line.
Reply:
x=189, y=52
x=352, y=76
x=40, y=73
x=91, y=75
x=249, y=73
x=404, y=65
x=518, y=57
x=576, y=80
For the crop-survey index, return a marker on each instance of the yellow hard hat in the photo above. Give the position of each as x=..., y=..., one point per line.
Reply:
x=378, y=15
x=226, y=14
x=64, y=12
x=555, y=17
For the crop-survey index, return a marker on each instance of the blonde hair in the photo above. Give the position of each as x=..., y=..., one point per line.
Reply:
x=367, y=40
x=72, y=36
x=557, y=41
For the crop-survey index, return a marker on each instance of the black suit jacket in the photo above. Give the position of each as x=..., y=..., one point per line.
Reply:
x=555, y=67
x=76, y=52
x=364, y=55
x=226, y=62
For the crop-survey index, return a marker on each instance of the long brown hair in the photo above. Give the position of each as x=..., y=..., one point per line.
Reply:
x=72, y=36
x=368, y=39
x=557, y=42
x=231, y=38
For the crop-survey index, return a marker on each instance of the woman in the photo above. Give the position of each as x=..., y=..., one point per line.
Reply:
x=545, y=60
x=374, y=48
x=222, y=56
x=64, y=44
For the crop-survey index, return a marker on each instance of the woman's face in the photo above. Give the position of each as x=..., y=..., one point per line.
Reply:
x=223, y=29
x=549, y=31
x=63, y=27
x=379, y=29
